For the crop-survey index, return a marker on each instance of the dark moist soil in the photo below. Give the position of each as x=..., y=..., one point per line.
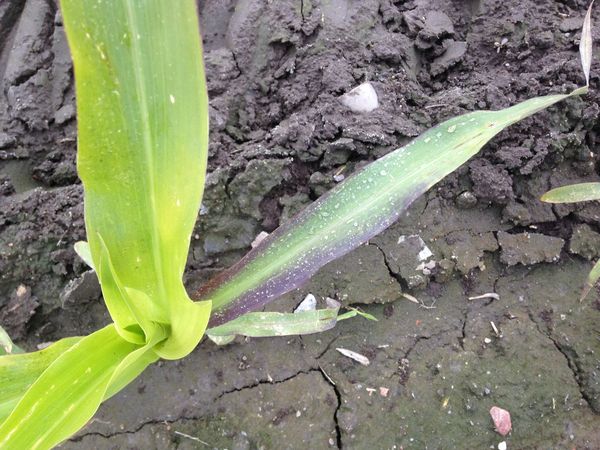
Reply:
x=279, y=135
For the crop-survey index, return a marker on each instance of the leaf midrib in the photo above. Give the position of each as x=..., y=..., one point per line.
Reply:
x=140, y=87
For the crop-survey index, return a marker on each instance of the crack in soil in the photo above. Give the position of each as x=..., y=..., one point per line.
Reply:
x=394, y=276
x=463, y=337
x=338, y=395
x=151, y=422
x=327, y=348
x=571, y=357
x=261, y=382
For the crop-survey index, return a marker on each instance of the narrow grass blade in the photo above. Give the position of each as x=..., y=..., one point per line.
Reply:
x=585, y=44
x=573, y=193
x=142, y=137
x=591, y=281
x=66, y=395
x=19, y=371
x=356, y=210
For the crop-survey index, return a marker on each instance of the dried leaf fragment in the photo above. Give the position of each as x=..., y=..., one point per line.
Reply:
x=361, y=359
x=585, y=45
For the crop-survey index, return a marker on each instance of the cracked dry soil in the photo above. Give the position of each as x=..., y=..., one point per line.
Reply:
x=279, y=135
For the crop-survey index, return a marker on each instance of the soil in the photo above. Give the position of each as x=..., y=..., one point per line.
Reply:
x=280, y=138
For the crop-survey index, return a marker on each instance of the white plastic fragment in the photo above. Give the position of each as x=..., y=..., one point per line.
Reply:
x=308, y=304
x=585, y=45
x=361, y=99
x=502, y=445
x=361, y=359
x=259, y=238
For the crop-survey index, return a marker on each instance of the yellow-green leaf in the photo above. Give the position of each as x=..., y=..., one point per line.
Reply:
x=19, y=371
x=142, y=113
x=68, y=392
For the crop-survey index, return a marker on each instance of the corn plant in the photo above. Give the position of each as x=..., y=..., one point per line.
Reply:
x=142, y=149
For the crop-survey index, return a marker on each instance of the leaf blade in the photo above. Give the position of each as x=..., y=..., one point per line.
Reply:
x=591, y=281
x=270, y=324
x=580, y=192
x=69, y=391
x=143, y=137
x=356, y=210
x=585, y=44
x=19, y=371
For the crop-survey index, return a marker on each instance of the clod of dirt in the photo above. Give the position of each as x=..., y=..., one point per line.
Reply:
x=491, y=182
x=391, y=48
x=453, y=54
x=15, y=316
x=6, y=186
x=529, y=248
x=571, y=24
x=6, y=140
x=251, y=186
x=319, y=183
x=406, y=259
x=436, y=26
x=466, y=249
x=292, y=204
x=585, y=242
x=221, y=68
x=81, y=290
x=359, y=277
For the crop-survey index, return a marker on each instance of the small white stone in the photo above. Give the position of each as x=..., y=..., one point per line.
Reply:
x=361, y=99
x=502, y=445
x=308, y=304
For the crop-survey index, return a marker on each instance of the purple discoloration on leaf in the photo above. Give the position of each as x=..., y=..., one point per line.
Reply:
x=301, y=271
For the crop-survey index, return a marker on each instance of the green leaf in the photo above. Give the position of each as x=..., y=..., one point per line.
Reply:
x=143, y=138
x=355, y=312
x=19, y=371
x=82, y=248
x=69, y=391
x=269, y=324
x=6, y=344
x=356, y=210
x=592, y=279
x=573, y=193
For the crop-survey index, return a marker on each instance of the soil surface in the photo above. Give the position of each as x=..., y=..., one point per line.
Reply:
x=280, y=138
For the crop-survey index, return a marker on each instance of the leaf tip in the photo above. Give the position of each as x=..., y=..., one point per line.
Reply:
x=585, y=44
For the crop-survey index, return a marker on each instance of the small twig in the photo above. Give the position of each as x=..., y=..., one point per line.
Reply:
x=193, y=438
